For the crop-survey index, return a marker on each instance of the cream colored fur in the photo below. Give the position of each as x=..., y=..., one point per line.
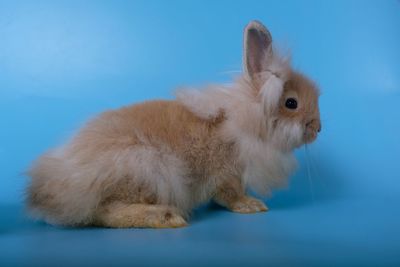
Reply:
x=150, y=164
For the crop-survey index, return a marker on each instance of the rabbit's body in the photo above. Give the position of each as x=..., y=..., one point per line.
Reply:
x=134, y=155
x=149, y=164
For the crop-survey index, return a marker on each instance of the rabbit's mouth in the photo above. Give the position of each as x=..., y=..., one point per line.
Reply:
x=311, y=131
x=310, y=135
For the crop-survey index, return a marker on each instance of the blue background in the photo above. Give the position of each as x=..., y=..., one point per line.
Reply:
x=62, y=62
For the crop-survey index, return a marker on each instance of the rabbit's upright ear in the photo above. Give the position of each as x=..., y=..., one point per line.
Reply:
x=257, y=52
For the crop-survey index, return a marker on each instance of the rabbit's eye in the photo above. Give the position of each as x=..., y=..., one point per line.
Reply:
x=291, y=103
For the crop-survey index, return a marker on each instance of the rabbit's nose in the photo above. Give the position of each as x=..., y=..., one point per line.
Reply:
x=314, y=124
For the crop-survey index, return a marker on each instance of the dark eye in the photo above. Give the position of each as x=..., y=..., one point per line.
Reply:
x=291, y=103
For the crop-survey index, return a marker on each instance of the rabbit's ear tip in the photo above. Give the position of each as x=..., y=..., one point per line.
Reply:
x=257, y=48
x=256, y=24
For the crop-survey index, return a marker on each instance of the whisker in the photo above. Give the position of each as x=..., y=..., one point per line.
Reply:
x=315, y=170
x=314, y=166
x=309, y=173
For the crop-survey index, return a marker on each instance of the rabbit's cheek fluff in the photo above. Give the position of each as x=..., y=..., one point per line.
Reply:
x=288, y=135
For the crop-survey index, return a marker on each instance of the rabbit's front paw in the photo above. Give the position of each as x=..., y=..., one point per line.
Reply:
x=248, y=205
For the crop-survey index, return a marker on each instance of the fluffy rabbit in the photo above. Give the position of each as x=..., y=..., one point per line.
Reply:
x=150, y=164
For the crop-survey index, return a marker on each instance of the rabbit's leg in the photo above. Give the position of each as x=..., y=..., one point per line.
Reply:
x=122, y=215
x=231, y=194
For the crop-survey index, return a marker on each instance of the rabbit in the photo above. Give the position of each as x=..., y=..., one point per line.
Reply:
x=150, y=164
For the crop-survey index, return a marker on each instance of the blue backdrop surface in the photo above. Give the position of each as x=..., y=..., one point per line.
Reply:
x=62, y=62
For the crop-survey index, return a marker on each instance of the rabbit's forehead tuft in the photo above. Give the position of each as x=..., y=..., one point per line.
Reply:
x=303, y=88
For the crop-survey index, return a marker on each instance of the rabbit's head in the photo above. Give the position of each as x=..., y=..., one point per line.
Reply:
x=270, y=102
x=289, y=100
